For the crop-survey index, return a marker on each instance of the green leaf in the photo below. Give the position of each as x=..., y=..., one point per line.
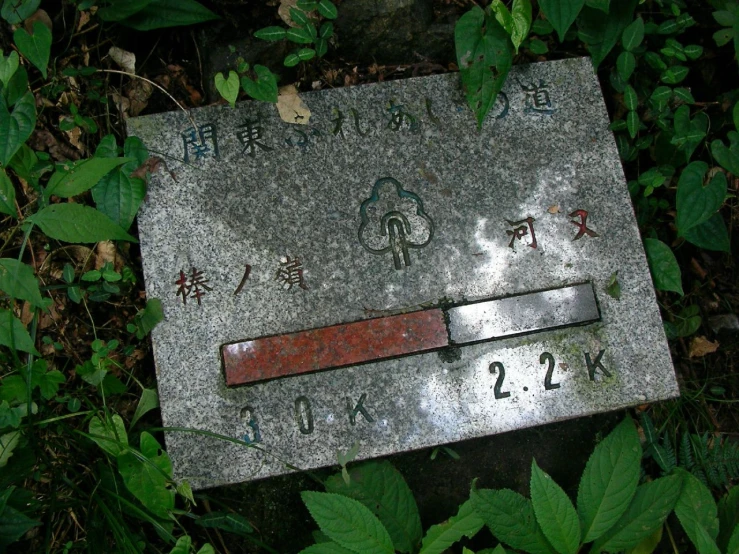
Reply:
x=8, y=66
x=149, y=401
x=18, y=281
x=728, y=514
x=733, y=547
x=327, y=30
x=15, y=126
x=159, y=14
x=632, y=123
x=625, y=65
x=484, y=59
x=521, y=16
x=382, y=489
x=291, y=60
x=661, y=95
x=119, y=197
x=348, y=522
x=697, y=203
x=675, y=74
x=271, y=34
x=561, y=14
x=49, y=383
x=327, y=9
x=78, y=177
x=502, y=15
x=633, y=35
x=321, y=47
x=663, y=265
x=649, y=509
x=110, y=434
x=601, y=31
x=326, y=548
x=36, y=48
x=440, y=537
x=511, y=519
x=724, y=17
x=16, y=11
x=13, y=334
x=265, y=86
x=228, y=88
x=148, y=318
x=305, y=54
x=147, y=479
x=299, y=35
x=609, y=481
x=226, y=521
x=13, y=524
x=710, y=235
x=554, y=512
x=299, y=17
x=728, y=157
x=631, y=100
x=78, y=223
x=693, y=51
x=118, y=10
x=684, y=95
x=603, y=5
x=183, y=545
x=723, y=36
x=8, y=442
x=698, y=514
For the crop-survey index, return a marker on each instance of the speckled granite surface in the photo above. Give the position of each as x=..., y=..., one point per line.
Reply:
x=288, y=229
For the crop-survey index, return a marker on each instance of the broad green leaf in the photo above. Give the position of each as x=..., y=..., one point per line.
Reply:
x=697, y=203
x=298, y=35
x=484, y=59
x=554, y=512
x=326, y=548
x=727, y=156
x=650, y=507
x=18, y=281
x=684, y=95
x=648, y=545
x=271, y=34
x=728, y=515
x=675, y=74
x=81, y=176
x=147, y=479
x=13, y=524
x=264, y=88
x=439, y=537
x=327, y=30
x=110, y=434
x=15, y=126
x=697, y=512
x=120, y=10
x=601, y=31
x=17, y=87
x=49, y=383
x=183, y=546
x=663, y=265
x=8, y=66
x=710, y=235
x=78, y=223
x=327, y=9
x=226, y=521
x=723, y=36
x=8, y=442
x=625, y=64
x=207, y=548
x=36, y=48
x=305, y=54
x=228, y=88
x=502, y=15
x=13, y=334
x=633, y=35
x=733, y=547
x=521, y=16
x=321, y=47
x=149, y=401
x=632, y=123
x=724, y=17
x=16, y=11
x=299, y=17
x=561, y=14
x=661, y=95
x=693, y=51
x=146, y=319
x=119, y=196
x=382, y=489
x=609, y=481
x=169, y=13
x=511, y=519
x=348, y=523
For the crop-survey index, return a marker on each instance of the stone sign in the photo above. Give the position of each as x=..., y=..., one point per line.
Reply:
x=384, y=273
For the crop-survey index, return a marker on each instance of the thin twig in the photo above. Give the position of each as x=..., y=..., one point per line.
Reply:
x=180, y=106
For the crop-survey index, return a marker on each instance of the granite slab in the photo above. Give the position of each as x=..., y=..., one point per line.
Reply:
x=389, y=201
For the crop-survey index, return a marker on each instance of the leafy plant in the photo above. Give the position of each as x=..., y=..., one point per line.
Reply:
x=148, y=15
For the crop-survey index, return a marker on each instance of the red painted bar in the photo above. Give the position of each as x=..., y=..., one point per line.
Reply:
x=338, y=345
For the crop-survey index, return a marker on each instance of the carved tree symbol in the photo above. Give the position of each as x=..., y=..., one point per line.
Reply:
x=393, y=220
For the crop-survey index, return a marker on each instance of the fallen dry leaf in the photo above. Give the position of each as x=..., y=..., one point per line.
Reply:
x=106, y=252
x=138, y=92
x=40, y=16
x=122, y=103
x=553, y=209
x=284, y=11
x=700, y=346
x=84, y=20
x=125, y=59
x=291, y=106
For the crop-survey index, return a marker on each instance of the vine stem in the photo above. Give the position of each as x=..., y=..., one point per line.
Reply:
x=157, y=85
